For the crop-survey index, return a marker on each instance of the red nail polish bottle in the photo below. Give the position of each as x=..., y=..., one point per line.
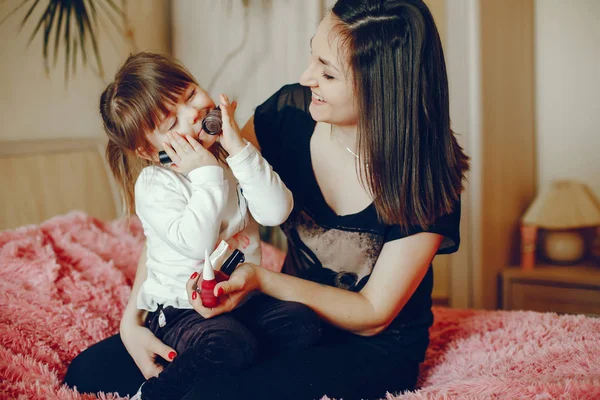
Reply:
x=209, y=300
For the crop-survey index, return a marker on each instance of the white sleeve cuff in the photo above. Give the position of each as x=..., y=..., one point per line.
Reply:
x=242, y=157
x=209, y=174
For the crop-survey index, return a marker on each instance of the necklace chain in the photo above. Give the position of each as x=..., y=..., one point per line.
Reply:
x=347, y=148
x=351, y=152
x=340, y=140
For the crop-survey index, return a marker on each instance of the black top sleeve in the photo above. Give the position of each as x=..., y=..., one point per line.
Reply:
x=447, y=225
x=271, y=117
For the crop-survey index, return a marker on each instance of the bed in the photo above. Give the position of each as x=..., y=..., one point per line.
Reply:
x=67, y=263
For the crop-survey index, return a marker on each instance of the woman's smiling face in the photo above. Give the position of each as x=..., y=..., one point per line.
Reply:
x=329, y=78
x=186, y=117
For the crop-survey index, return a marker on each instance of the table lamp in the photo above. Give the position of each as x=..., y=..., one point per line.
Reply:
x=561, y=209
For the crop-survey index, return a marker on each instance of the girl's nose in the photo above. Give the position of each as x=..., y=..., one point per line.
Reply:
x=195, y=116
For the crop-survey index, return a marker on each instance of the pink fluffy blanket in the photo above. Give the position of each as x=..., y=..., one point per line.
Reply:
x=64, y=283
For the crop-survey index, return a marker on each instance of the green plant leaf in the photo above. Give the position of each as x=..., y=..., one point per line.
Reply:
x=61, y=14
x=29, y=12
x=74, y=59
x=67, y=41
x=76, y=26
x=116, y=9
x=40, y=22
x=79, y=16
x=14, y=11
x=111, y=17
x=90, y=28
x=47, y=28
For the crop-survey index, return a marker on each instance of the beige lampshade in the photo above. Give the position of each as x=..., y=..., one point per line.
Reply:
x=564, y=205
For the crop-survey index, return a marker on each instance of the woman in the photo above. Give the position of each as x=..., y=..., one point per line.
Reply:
x=365, y=146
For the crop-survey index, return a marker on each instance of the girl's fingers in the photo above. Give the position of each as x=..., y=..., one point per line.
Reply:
x=227, y=108
x=183, y=142
x=194, y=143
x=224, y=110
x=173, y=142
x=224, y=99
x=179, y=143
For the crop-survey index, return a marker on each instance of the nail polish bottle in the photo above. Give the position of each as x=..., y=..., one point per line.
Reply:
x=209, y=300
x=213, y=122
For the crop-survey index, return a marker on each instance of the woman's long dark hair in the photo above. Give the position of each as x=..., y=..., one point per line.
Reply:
x=415, y=165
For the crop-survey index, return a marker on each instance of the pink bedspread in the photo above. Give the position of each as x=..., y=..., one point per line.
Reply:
x=64, y=283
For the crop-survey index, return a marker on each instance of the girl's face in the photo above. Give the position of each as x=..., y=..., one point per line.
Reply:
x=185, y=118
x=330, y=79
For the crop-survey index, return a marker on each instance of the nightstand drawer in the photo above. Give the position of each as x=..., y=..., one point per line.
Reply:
x=535, y=297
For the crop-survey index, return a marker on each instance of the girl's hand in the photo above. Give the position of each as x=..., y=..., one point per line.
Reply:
x=187, y=153
x=230, y=291
x=144, y=348
x=231, y=138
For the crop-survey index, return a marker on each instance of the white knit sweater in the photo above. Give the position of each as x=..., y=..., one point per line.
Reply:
x=183, y=216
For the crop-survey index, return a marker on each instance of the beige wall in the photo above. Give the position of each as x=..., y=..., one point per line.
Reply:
x=567, y=42
x=34, y=106
x=266, y=46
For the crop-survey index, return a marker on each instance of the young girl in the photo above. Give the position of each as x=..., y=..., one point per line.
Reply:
x=186, y=209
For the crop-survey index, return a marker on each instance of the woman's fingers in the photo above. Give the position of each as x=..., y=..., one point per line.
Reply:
x=229, y=286
x=193, y=287
x=229, y=291
x=192, y=284
x=161, y=349
x=153, y=371
x=145, y=349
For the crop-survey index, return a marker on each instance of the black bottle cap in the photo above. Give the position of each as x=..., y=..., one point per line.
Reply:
x=235, y=259
x=164, y=158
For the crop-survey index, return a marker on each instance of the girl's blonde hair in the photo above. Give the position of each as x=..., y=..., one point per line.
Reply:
x=133, y=106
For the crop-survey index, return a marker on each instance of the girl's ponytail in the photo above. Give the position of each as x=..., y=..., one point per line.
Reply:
x=119, y=165
x=119, y=149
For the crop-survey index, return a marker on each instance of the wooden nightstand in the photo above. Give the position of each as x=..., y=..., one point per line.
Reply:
x=561, y=289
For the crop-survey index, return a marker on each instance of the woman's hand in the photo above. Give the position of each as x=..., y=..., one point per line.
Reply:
x=230, y=291
x=144, y=348
x=231, y=138
x=187, y=153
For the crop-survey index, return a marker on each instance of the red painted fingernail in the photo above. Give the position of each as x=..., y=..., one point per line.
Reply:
x=220, y=292
x=194, y=295
x=172, y=355
x=194, y=275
